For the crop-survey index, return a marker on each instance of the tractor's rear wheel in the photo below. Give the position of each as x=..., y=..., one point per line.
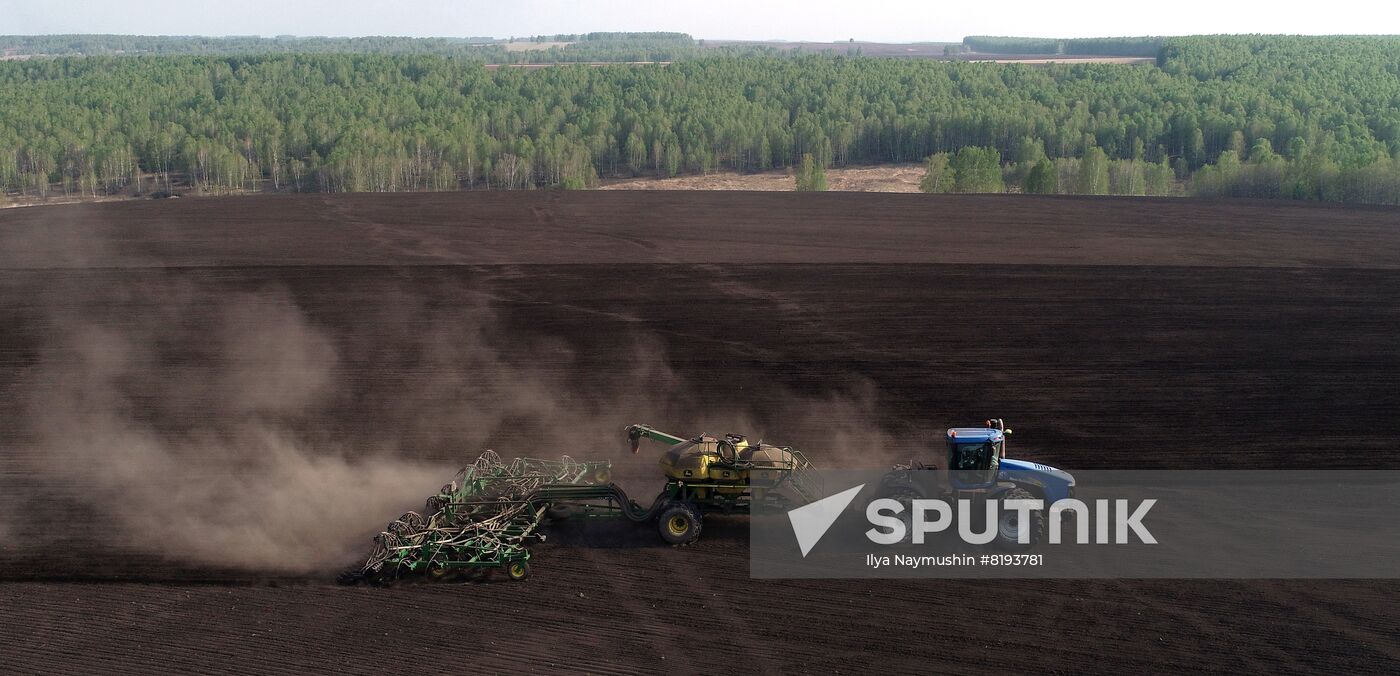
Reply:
x=905, y=497
x=1009, y=522
x=680, y=523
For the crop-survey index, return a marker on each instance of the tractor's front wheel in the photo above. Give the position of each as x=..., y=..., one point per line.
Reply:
x=680, y=523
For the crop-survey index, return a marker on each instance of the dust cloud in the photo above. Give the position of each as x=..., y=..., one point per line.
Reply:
x=211, y=419
x=190, y=448
x=227, y=427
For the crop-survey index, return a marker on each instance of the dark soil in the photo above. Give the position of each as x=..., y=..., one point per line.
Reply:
x=1110, y=333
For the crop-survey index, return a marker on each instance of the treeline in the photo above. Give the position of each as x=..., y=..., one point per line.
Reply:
x=583, y=47
x=981, y=170
x=1260, y=173
x=1265, y=174
x=173, y=45
x=1135, y=46
x=353, y=122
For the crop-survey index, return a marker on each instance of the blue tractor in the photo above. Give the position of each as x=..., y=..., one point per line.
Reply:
x=978, y=470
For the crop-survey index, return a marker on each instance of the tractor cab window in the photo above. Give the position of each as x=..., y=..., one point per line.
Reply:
x=972, y=456
x=973, y=464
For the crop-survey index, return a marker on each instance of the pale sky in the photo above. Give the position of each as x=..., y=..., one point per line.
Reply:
x=816, y=20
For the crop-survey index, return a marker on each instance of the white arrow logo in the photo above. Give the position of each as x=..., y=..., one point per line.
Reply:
x=811, y=521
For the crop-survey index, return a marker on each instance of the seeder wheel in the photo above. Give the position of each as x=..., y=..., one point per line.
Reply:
x=517, y=570
x=680, y=524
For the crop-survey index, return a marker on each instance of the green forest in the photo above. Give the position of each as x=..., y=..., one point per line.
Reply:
x=1314, y=118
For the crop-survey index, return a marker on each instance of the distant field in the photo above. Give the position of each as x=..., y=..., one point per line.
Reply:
x=595, y=64
x=886, y=178
x=919, y=49
x=927, y=50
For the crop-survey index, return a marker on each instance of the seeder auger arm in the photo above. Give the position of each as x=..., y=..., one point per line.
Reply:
x=635, y=434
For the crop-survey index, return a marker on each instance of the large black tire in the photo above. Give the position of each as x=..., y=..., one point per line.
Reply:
x=1008, y=528
x=680, y=523
x=906, y=497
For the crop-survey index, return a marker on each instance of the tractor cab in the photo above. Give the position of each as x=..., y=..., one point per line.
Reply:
x=975, y=454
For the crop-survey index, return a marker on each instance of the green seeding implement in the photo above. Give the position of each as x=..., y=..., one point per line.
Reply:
x=484, y=518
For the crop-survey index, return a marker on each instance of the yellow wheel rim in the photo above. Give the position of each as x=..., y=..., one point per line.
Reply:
x=677, y=525
x=517, y=569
